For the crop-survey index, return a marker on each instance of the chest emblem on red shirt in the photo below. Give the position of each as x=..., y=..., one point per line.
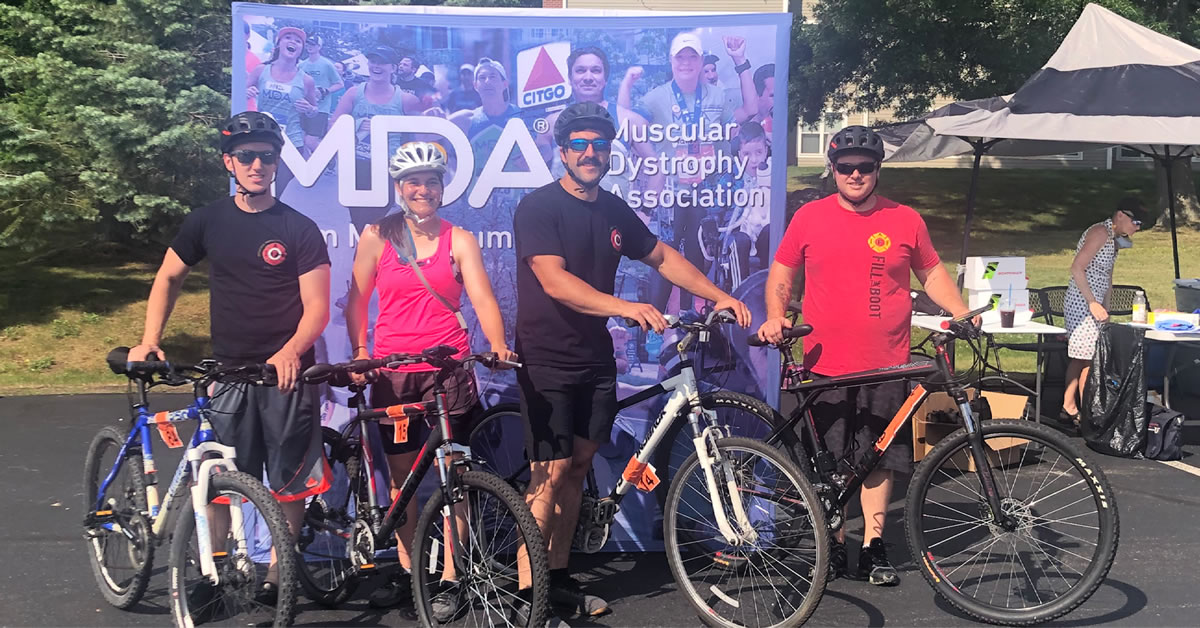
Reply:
x=615, y=237
x=273, y=252
x=879, y=242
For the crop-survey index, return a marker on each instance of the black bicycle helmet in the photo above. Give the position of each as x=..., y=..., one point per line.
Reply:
x=250, y=126
x=584, y=116
x=855, y=138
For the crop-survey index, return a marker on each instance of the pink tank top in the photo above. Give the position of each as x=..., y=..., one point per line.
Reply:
x=410, y=319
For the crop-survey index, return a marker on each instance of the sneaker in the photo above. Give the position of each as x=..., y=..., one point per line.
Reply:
x=519, y=613
x=447, y=605
x=837, y=561
x=396, y=591
x=567, y=592
x=874, y=567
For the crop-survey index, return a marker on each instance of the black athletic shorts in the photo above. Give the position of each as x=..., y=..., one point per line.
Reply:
x=851, y=419
x=561, y=403
x=271, y=433
x=395, y=387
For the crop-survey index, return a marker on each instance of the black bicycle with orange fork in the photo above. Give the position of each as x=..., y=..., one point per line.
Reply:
x=1007, y=520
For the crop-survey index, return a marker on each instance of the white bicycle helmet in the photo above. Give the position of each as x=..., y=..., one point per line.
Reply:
x=415, y=157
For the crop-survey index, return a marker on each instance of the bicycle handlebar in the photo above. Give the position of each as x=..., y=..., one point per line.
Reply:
x=179, y=373
x=796, y=331
x=716, y=317
x=962, y=327
x=338, y=375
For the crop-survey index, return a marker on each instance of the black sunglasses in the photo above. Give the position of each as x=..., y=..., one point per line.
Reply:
x=580, y=145
x=1136, y=222
x=246, y=156
x=866, y=167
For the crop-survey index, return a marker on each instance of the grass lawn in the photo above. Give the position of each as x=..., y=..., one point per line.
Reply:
x=61, y=312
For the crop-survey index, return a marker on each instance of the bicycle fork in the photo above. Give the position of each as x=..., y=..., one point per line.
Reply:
x=983, y=467
x=202, y=470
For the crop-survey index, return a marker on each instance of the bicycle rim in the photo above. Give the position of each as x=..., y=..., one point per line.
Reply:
x=496, y=536
x=776, y=579
x=242, y=559
x=1062, y=533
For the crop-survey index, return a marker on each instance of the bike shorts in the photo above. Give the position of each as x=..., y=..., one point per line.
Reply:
x=396, y=387
x=276, y=432
x=559, y=404
x=850, y=420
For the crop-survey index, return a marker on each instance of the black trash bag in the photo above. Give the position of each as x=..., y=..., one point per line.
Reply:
x=1113, y=416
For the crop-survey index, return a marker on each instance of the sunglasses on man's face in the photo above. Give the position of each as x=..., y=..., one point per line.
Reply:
x=1135, y=221
x=246, y=156
x=866, y=167
x=580, y=145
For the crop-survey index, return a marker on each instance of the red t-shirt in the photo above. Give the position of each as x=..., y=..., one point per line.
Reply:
x=856, y=281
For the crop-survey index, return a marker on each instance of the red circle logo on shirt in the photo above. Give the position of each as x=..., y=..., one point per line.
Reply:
x=273, y=252
x=879, y=242
x=615, y=238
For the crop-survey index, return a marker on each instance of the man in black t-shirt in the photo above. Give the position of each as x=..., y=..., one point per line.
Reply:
x=570, y=236
x=269, y=302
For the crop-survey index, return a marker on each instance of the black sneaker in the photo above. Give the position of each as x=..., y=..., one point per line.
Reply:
x=567, y=592
x=396, y=591
x=448, y=604
x=837, y=561
x=874, y=567
x=519, y=613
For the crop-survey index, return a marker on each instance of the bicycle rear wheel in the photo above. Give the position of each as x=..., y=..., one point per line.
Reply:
x=776, y=578
x=1054, y=551
x=326, y=540
x=120, y=547
x=241, y=559
x=498, y=444
x=496, y=535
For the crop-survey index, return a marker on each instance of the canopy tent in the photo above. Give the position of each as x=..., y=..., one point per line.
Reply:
x=1111, y=81
x=916, y=140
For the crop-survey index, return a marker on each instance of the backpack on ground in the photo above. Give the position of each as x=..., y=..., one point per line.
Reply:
x=1164, y=433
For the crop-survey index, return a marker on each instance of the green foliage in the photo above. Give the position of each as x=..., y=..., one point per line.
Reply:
x=62, y=328
x=904, y=53
x=40, y=364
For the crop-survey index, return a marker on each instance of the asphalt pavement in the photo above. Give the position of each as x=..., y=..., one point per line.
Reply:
x=46, y=580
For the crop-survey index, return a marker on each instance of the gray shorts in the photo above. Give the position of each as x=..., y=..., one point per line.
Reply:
x=851, y=419
x=276, y=432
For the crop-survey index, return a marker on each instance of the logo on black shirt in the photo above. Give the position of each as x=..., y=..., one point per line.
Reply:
x=615, y=237
x=273, y=252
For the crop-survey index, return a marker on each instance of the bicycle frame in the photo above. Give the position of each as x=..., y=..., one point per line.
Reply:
x=203, y=445
x=827, y=468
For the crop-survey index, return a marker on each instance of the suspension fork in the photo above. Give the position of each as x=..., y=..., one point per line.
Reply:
x=979, y=454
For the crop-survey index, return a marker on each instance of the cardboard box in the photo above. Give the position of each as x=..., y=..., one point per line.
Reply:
x=979, y=298
x=995, y=273
x=927, y=434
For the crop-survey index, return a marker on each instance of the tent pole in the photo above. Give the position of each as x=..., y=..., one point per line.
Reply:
x=980, y=147
x=1169, y=163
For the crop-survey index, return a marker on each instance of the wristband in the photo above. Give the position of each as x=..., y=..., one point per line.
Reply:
x=742, y=67
x=356, y=348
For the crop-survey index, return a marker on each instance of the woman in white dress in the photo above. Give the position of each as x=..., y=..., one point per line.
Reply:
x=1083, y=306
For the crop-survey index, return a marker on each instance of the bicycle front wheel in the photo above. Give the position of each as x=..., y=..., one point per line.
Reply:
x=325, y=543
x=1055, y=545
x=774, y=574
x=241, y=556
x=496, y=573
x=120, y=547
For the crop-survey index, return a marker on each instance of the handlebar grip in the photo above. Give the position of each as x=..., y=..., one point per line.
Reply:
x=796, y=331
x=317, y=373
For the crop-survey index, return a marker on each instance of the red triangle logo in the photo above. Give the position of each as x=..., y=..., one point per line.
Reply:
x=544, y=73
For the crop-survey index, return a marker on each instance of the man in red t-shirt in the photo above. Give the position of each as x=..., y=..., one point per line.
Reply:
x=857, y=250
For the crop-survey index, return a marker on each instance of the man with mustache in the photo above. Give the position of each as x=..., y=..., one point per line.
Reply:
x=570, y=236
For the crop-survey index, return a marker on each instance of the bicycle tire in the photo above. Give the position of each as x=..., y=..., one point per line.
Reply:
x=237, y=569
x=676, y=444
x=425, y=573
x=811, y=558
x=330, y=579
x=127, y=500
x=498, y=447
x=1028, y=515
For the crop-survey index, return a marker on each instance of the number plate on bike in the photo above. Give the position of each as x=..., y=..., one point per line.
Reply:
x=641, y=475
x=170, y=435
x=397, y=414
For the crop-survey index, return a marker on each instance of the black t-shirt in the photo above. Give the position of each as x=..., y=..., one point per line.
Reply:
x=591, y=237
x=412, y=85
x=255, y=263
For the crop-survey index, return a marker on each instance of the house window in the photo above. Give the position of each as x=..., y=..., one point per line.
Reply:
x=815, y=137
x=1128, y=154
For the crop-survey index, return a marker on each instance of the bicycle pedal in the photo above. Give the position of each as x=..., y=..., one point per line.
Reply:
x=367, y=567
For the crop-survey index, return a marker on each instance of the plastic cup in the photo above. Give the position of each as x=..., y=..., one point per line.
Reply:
x=1008, y=318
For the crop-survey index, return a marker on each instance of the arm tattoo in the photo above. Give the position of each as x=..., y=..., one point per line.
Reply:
x=783, y=293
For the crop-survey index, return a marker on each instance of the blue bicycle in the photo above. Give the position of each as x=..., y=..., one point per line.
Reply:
x=214, y=575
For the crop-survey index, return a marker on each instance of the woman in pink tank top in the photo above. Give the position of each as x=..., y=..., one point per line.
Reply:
x=412, y=319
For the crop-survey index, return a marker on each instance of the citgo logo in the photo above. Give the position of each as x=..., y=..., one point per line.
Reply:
x=542, y=75
x=879, y=242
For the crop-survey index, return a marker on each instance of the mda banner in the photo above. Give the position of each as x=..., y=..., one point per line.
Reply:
x=694, y=97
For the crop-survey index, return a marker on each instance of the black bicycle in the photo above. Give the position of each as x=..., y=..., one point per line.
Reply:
x=475, y=531
x=1008, y=520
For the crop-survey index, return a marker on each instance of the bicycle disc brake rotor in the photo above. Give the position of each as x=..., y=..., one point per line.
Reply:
x=362, y=550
